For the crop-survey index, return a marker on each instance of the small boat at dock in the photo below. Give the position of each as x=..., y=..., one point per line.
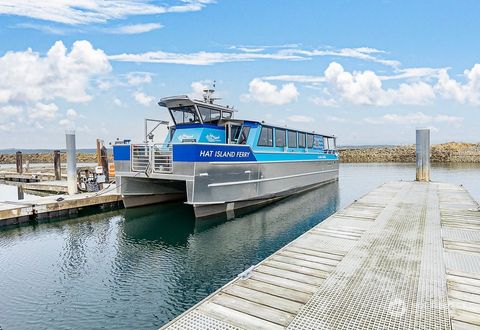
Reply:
x=219, y=164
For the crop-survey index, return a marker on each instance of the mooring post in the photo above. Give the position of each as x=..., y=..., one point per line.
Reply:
x=57, y=165
x=99, y=155
x=422, y=154
x=104, y=157
x=71, y=163
x=19, y=161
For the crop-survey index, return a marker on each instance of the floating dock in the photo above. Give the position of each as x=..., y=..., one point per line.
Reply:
x=28, y=177
x=50, y=207
x=405, y=256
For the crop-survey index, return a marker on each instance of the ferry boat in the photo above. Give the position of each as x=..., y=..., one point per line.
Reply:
x=219, y=164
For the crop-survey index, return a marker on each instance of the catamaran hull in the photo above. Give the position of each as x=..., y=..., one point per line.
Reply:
x=219, y=187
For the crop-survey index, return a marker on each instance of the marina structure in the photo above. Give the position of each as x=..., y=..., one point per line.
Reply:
x=220, y=164
x=404, y=256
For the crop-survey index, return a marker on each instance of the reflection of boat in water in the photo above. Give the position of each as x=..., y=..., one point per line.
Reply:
x=171, y=223
x=219, y=164
x=174, y=223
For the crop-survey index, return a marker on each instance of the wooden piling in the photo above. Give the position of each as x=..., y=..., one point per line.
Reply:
x=57, y=165
x=104, y=162
x=19, y=161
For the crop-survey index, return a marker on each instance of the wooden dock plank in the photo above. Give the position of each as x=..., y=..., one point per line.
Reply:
x=276, y=290
x=263, y=298
x=260, y=311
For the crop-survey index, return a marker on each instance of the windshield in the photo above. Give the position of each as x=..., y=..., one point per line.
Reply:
x=184, y=115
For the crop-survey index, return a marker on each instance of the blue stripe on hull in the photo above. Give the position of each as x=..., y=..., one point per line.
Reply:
x=237, y=153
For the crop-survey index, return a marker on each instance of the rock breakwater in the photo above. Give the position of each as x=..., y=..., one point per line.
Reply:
x=452, y=152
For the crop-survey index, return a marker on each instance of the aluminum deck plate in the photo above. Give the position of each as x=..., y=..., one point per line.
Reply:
x=405, y=256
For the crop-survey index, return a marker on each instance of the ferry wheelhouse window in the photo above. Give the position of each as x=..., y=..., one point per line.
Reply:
x=208, y=114
x=184, y=115
x=266, y=137
x=301, y=140
x=244, y=135
x=292, y=139
x=309, y=141
x=280, y=137
x=226, y=115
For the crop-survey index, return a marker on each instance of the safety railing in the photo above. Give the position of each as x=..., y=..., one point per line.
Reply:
x=162, y=158
x=140, y=157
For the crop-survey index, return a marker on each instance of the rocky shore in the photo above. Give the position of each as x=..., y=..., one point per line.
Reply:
x=452, y=152
x=47, y=158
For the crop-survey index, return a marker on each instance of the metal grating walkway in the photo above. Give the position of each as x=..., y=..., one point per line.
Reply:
x=405, y=256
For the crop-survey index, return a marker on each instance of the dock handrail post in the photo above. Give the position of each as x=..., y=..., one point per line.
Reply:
x=71, y=163
x=19, y=161
x=57, y=165
x=422, y=154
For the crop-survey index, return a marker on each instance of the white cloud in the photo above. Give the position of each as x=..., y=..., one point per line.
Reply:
x=135, y=28
x=365, y=88
x=267, y=93
x=43, y=111
x=198, y=58
x=143, y=98
x=361, y=53
x=92, y=11
x=300, y=119
x=139, y=78
x=468, y=92
x=27, y=77
x=324, y=101
x=416, y=118
x=118, y=102
x=335, y=119
x=71, y=114
x=10, y=110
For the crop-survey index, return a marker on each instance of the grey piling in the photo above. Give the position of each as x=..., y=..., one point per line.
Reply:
x=57, y=165
x=71, y=163
x=19, y=161
x=422, y=154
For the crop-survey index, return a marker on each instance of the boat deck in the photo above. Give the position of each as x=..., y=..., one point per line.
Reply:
x=405, y=256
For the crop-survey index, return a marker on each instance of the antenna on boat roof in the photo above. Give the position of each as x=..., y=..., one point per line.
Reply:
x=208, y=92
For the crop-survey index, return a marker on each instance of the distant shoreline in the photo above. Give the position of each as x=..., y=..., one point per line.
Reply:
x=452, y=152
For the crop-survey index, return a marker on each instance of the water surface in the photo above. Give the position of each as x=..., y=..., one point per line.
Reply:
x=140, y=268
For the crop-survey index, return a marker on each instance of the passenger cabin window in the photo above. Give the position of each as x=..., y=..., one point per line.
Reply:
x=280, y=137
x=292, y=139
x=226, y=115
x=266, y=137
x=244, y=136
x=301, y=140
x=184, y=115
x=208, y=114
x=309, y=141
x=325, y=143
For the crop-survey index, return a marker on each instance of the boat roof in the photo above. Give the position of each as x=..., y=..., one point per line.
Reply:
x=185, y=100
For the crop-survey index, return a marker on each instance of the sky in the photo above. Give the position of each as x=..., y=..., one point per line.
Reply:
x=369, y=72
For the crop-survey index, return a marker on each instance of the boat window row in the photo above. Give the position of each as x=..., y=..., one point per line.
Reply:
x=295, y=139
x=189, y=115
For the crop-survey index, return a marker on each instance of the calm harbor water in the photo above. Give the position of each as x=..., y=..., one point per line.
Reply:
x=140, y=268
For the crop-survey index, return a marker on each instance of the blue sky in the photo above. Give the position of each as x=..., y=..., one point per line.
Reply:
x=366, y=71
